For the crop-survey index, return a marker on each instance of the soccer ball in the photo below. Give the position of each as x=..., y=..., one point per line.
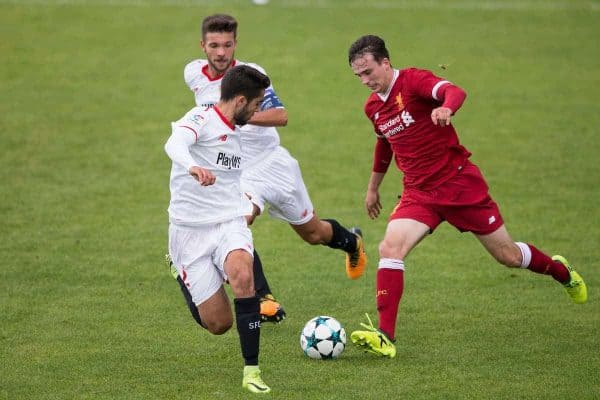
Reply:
x=323, y=337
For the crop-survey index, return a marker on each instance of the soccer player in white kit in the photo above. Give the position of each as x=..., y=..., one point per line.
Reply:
x=209, y=239
x=270, y=174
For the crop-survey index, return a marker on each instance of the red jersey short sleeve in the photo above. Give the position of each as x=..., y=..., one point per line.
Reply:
x=427, y=154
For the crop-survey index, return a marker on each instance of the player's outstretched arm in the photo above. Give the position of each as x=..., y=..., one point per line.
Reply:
x=270, y=117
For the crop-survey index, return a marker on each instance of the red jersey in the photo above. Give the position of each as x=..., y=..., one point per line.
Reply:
x=427, y=154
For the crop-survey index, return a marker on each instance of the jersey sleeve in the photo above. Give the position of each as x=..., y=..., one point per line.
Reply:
x=452, y=96
x=425, y=83
x=190, y=74
x=178, y=145
x=430, y=86
x=185, y=133
x=382, y=155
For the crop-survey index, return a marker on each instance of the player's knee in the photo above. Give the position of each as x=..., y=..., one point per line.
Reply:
x=388, y=249
x=243, y=278
x=242, y=282
x=384, y=249
x=219, y=326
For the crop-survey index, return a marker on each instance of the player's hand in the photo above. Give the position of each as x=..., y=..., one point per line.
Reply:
x=204, y=176
x=441, y=116
x=255, y=212
x=372, y=204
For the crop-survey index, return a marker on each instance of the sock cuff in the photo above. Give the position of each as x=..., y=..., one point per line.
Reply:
x=391, y=263
x=246, y=304
x=525, y=253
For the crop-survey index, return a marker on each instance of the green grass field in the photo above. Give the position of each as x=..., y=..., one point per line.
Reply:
x=88, y=310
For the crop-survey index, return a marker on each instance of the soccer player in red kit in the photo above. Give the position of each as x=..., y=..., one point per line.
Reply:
x=411, y=110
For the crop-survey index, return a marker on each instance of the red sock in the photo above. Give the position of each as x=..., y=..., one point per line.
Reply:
x=390, y=284
x=542, y=264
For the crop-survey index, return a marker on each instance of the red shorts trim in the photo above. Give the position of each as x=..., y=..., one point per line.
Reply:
x=463, y=201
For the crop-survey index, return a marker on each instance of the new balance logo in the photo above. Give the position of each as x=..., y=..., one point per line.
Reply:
x=491, y=220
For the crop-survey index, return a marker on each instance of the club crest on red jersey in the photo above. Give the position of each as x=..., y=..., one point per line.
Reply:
x=400, y=102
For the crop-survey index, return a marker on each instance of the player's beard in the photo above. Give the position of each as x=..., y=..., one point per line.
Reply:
x=223, y=65
x=242, y=116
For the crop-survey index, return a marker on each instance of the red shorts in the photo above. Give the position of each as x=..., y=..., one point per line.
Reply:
x=463, y=201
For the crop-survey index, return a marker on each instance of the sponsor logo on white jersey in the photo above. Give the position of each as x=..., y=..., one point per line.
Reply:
x=229, y=161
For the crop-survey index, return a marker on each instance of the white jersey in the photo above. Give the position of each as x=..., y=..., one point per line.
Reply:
x=203, y=137
x=257, y=141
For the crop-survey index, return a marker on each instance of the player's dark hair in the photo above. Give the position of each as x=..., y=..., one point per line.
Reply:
x=368, y=44
x=243, y=80
x=219, y=23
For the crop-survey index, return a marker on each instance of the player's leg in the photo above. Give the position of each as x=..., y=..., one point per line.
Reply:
x=270, y=309
x=215, y=313
x=261, y=286
x=474, y=210
x=200, y=281
x=331, y=233
x=278, y=181
x=524, y=255
x=202, y=288
x=235, y=255
x=215, y=326
x=188, y=300
x=401, y=236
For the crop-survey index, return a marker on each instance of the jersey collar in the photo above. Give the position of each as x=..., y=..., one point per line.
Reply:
x=385, y=95
x=205, y=71
x=225, y=120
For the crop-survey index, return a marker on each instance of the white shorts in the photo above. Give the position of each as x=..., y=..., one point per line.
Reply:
x=199, y=253
x=277, y=181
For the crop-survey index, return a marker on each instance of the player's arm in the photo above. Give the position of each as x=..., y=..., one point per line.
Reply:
x=270, y=117
x=272, y=111
x=430, y=86
x=178, y=150
x=381, y=161
x=452, y=97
